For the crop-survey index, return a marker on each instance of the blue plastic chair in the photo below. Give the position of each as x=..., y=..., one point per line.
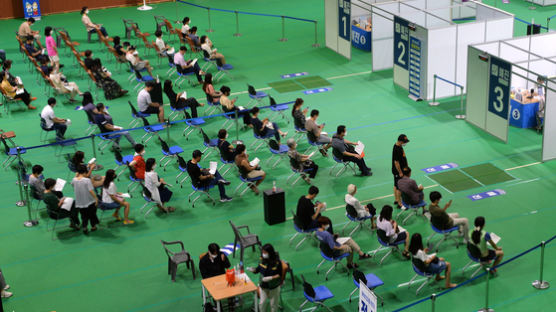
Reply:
x=222, y=71
x=473, y=253
x=122, y=163
x=135, y=115
x=322, y=293
x=148, y=202
x=183, y=76
x=312, y=145
x=260, y=140
x=192, y=125
x=391, y=247
x=309, y=233
x=428, y=276
x=446, y=234
x=294, y=166
x=344, y=164
x=135, y=182
x=150, y=131
x=279, y=151
x=105, y=140
x=360, y=221
x=201, y=190
x=411, y=210
x=279, y=109
x=255, y=95
x=182, y=166
x=211, y=145
x=299, y=133
x=335, y=260
x=225, y=164
x=373, y=282
x=11, y=152
x=168, y=152
x=247, y=182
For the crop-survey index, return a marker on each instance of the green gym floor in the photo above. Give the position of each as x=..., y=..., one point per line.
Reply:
x=123, y=268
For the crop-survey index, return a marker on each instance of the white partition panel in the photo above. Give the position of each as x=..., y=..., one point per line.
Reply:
x=491, y=48
x=541, y=67
x=443, y=13
x=549, y=137
x=477, y=88
x=441, y=58
x=517, y=78
x=511, y=54
x=500, y=29
x=382, y=39
x=344, y=47
x=331, y=24
x=467, y=34
x=435, y=4
x=485, y=12
x=464, y=11
x=544, y=45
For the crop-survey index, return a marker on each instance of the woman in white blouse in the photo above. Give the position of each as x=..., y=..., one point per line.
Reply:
x=112, y=199
x=206, y=46
x=185, y=26
x=362, y=211
x=432, y=263
x=61, y=85
x=157, y=187
x=393, y=232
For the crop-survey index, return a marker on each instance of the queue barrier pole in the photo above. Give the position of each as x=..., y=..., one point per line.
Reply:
x=209, y=30
x=93, y=144
x=540, y=283
x=436, y=103
x=433, y=301
x=283, y=39
x=486, y=308
x=237, y=34
x=548, y=22
x=532, y=6
x=237, y=141
x=30, y=222
x=316, y=44
x=21, y=201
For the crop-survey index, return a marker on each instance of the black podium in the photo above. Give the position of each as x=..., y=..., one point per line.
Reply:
x=274, y=206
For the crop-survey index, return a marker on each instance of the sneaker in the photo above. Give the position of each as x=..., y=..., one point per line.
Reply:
x=367, y=174
x=225, y=199
x=224, y=182
x=7, y=287
x=6, y=294
x=403, y=207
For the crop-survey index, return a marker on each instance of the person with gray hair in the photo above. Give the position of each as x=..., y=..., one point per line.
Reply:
x=305, y=164
x=362, y=211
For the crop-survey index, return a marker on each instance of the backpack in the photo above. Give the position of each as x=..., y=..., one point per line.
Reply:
x=359, y=277
x=308, y=288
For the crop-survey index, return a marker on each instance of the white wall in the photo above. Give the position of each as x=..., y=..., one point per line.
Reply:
x=500, y=29
x=382, y=38
x=467, y=34
x=441, y=57
x=549, y=137
x=331, y=24
x=544, y=45
x=477, y=88
x=545, y=2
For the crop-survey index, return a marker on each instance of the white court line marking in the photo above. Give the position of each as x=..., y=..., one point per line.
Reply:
x=531, y=164
x=243, y=92
x=369, y=200
x=350, y=75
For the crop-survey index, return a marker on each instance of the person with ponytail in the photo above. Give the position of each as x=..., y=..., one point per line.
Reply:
x=112, y=199
x=479, y=237
x=432, y=263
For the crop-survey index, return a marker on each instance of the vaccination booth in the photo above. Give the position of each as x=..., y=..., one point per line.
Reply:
x=543, y=2
x=513, y=83
x=424, y=39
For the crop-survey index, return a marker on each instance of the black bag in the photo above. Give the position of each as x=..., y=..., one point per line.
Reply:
x=359, y=277
x=372, y=209
x=308, y=288
x=209, y=307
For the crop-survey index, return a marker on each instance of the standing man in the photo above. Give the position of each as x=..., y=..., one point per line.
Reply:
x=25, y=31
x=146, y=105
x=51, y=122
x=399, y=162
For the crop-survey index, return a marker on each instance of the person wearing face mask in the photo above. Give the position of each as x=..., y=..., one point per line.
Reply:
x=270, y=269
x=409, y=188
x=227, y=150
x=345, y=150
x=214, y=262
x=347, y=246
x=399, y=162
x=91, y=27
x=160, y=194
x=138, y=162
x=51, y=48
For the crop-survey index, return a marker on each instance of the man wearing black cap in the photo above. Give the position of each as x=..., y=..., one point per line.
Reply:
x=203, y=178
x=399, y=162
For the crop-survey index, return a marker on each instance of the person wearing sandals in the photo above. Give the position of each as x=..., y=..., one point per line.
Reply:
x=362, y=211
x=347, y=246
x=479, y=237
x=112, y=199
x=85, y=199
x=393, y=231
x=160, y=194
x=433, y=264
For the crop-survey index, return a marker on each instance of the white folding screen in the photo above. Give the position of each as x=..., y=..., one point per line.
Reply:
x=441, y=56
x=500, y=29
x=382, y=38
x=467, y=34
x=477, y=88
x=331, y=24
x=544, y=2
x=549, y=137
x=464, y=11
x=544, y=45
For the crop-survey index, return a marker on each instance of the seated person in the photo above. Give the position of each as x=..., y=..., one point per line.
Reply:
x=443, y=220
x=362, y=211
x=88, y=59
x=229, y=105
x=89, y=25
x=409, y=188
x=138, y=64
x=146, y=105
x=180, y=100
x=120, y=51
x=392, y=232
x=106, y=124
x=193, y=36
x=185, y=26
x=78, y=159
x=51, y=122
x=184, y=67
x=35, y=182
x=7, y=66
x=299, y=114
x=46, y=69
x=2, y=56
x=203, y=178
x=35, y=53
x=265, y=128
x=315, y=133
x=62, y=85
x=479, y=238
x=138, y=162
x=306, y=165
x=432, y=263
x=163, y=48
x=156, y=186
x=111, y=87
x=208, y=88
x=88, y=103
x=246, y=170
x=16, y=93
x=214, y=262
x=210, y=53
x=54, y=205
x=346, y=150
x=307, y=212
x=349, y=246
x=227, y=150
x=25, y=31
x=112, y=199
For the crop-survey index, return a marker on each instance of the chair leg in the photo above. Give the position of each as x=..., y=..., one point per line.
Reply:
x=193, y=268
x=174, y=271
x=318, y=266
x=169, y=266
x=351, y=294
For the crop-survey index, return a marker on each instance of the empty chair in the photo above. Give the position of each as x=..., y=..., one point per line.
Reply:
x=135, y=115
x=446, y=234
x=299, y=133
x=279, y=109
x=175, y=258
x=391, y=247
x=139, y=79
x=244, y=241
x=370, y=280
x=211, y=145
x=279, y=151
x=255, y=95
x=182, y=166
x=316, y=296
x=309, y=233
x=338, y=158
x=150, y=131
x=121, y=162
x=169, y=152
x=192, y=125
x=11, y=152
x=352, y=216
x=330, y=255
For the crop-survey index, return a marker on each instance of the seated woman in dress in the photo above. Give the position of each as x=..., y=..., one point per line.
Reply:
x=393, y=232
x=306, y=165
x=210, y=52
x=432, y=263
x=299, y=114
x=180, y=100
x=160, y=194
x=208, y=88
x=111, y=87
x=61, y=84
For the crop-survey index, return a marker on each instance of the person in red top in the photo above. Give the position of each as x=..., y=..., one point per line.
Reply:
x=138, y=163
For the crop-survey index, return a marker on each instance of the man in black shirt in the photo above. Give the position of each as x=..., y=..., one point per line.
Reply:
x=399, y=162
x=227, y=150
x=106, y=124
x=213, y=262
x=265, y=128
x=306, y=213
x=203, y=178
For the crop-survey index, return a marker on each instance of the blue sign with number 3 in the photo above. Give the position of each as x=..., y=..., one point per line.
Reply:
x=499, y=87
x=344, y=18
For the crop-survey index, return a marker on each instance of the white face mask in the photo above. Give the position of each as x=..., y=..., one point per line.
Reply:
x=345, y=133
x=142, y=153
x=326, y=227
x=226, y=136
x=265, y=256
x=86, y=11
x=154, y=167
x=213, y=256
x=404, y=144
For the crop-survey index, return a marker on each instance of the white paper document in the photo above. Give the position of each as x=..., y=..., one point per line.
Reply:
x=241, y=108
x=495, y=238
x=19, y=91
x=342, y=240
x=59, y=186
x=192, y=63
x=184, y=95
x=19, y=81
x=269, y=125
x=92, y=160
x=359, y=147
x=255, y=162
x=68, y=202
x=213, y=166
x=125, y=195
x=311, y=155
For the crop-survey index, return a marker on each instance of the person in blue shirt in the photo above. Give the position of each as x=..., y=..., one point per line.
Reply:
x=347, y=244
x=480, y=238
x=106, y=124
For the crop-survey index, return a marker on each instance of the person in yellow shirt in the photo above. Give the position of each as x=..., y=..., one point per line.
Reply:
x=17, y=92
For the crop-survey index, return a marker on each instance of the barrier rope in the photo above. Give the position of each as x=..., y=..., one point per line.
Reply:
x=526, y=22
x=247, y=13
x=448, y=81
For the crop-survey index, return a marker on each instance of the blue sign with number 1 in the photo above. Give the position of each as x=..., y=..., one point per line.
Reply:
x=499, y=87
x=344, y=17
